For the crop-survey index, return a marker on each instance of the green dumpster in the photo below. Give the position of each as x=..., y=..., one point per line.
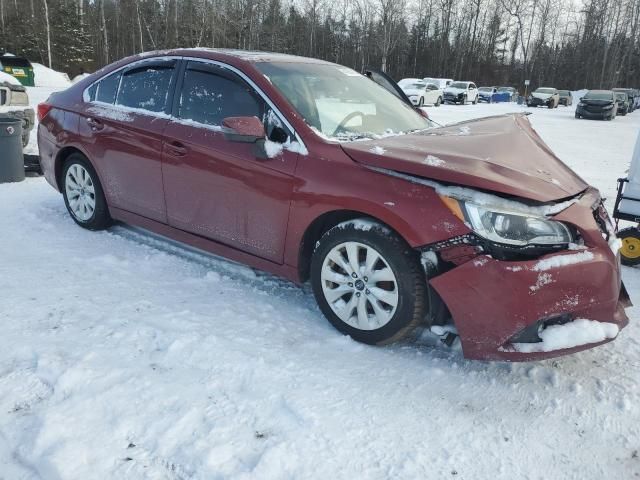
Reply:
x=18, y=67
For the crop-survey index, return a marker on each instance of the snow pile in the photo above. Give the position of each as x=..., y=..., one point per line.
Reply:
x=77, y=78
x=46, y=77
x=573, y=334
x=10, y=79
x=378, y=150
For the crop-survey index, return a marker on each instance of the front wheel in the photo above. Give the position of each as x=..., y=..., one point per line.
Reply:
x=475, y=101
x=630, y=249
x=421, y=102
x=369, y=282
x=83, y=194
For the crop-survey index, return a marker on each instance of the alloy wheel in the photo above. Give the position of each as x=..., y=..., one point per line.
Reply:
x=80, y=192
x=359, y=286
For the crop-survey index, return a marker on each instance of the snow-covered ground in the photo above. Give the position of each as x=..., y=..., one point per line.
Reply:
x=126, y=356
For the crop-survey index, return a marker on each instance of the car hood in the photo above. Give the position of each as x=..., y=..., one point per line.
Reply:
x=412, y=91
x=502, y=154
x=455, y=90
x=542, y=96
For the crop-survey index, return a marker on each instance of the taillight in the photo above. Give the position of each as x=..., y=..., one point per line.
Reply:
x=43, y=110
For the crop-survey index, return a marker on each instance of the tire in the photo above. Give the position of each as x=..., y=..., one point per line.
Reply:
x=577, y=115
x=464, y=100
x=438, y=102
x=421, y=102
x=99, y=218
x=475, y=101
x=630, y=250
x=397, y=259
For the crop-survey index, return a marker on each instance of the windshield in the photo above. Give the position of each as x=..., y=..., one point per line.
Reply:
x=564, y=93
x=598, y=96
x=341, y=103
x=621, y=96
x=414, y=86
x=505, y=89
x=485, y=89
x=549, y=91
x=458, y=85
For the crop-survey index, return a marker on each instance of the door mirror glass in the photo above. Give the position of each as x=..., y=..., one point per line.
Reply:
x=243, y=129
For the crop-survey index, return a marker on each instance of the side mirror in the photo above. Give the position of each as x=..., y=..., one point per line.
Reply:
x=243, y=129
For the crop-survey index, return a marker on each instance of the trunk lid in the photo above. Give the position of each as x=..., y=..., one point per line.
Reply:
x=501, y=154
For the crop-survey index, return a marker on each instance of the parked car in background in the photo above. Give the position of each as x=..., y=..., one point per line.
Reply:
x=486, y=94
x=624, y=103
x=513, y=93
x=631, y=93
x=544, y=97
x=14, y=102
x=461, y=92
x=310, y=170
x=421, y=93
x=442, y=83
x=598, y=104
x=565, y=98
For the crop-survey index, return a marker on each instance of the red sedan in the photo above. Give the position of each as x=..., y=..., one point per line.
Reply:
x=312, y=171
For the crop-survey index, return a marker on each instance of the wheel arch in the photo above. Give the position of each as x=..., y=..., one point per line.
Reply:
x=322, y=224
x=62, y=156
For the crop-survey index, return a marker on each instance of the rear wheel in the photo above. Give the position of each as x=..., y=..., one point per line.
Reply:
x=438, y=102
x=83, y=194
x=369, y=282
x=630, y=250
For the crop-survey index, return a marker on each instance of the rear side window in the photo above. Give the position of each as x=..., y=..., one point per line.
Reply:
x=146, y=87
x=107, y=88
x=208, y=97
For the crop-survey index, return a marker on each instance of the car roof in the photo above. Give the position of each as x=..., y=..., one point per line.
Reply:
x=249, y=56
x=600, y=91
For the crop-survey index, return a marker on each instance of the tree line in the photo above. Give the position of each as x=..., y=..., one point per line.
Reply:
x=591, y=44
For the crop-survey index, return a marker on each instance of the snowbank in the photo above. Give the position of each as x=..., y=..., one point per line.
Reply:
x=5, y=77
x=77, y=78
x=46, y=77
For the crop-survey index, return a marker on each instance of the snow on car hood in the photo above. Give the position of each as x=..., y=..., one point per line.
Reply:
x=503, y=154
x=542, y=96
x=412, y=91
x=455, y=90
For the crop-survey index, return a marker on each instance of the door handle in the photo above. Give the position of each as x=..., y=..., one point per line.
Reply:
x=177, y=149
x=94, y=124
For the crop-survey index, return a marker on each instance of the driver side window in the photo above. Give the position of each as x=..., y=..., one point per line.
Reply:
x=211, y=93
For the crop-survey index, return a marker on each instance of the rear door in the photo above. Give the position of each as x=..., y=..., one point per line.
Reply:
x=228, y=191
x=123, y=125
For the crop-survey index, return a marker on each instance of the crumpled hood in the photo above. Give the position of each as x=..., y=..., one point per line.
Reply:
x=502, y=154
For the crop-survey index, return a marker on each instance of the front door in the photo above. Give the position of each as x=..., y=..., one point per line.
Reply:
x=225, y=190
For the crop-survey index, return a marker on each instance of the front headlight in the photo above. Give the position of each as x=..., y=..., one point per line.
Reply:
x=512, y=227
x=582, y=104
x=607, y=107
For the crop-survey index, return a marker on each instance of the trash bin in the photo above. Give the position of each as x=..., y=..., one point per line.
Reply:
x=11, y=159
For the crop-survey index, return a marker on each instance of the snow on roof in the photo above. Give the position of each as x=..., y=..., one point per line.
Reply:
x=5, y=77
x=46, y=77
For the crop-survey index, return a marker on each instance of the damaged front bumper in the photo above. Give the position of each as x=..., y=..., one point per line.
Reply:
x=501, y=309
